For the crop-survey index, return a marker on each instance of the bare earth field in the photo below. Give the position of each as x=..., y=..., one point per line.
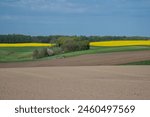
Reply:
x=113, y=58
x=78, y=78
x=82, y=82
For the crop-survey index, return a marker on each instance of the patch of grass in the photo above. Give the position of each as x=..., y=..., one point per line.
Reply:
x=16, y=53
x=19, y=49
x=146, y=62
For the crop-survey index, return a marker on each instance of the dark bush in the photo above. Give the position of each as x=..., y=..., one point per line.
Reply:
x=57, y=50
x=43, y=52
x=35, y=54
x=75, y=45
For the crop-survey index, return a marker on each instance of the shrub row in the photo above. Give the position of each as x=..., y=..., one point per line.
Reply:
x=73, y=45
x=68, y=44
x=62, y=45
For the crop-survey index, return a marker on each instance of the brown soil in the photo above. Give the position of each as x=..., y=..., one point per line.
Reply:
x=80, y=82
x=79, y=78
x=114, y=58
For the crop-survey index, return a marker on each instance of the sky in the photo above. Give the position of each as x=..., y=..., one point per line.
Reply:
x=75, y=17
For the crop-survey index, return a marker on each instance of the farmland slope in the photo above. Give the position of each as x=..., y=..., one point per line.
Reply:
x=84, y=82
x=113, y=58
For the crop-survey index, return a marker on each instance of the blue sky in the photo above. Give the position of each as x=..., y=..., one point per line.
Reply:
x=75, y=17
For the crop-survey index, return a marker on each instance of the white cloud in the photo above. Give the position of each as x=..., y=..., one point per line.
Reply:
x=101, y=7
x=63, y=6
x=8, y=17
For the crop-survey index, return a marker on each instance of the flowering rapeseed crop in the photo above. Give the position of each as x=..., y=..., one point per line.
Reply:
x=26, y=45
x=122, y=43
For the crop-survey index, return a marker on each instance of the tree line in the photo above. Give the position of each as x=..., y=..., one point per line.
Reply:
x=18, y=38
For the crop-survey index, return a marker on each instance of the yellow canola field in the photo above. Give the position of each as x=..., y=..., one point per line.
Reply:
x=122, y=43
x=102, y=43
x=25, y=45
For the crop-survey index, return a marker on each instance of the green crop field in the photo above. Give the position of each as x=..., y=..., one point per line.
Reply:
x=8, y=54
x=146, y=62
